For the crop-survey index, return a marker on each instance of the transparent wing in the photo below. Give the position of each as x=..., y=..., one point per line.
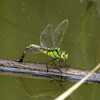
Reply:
x=58, y=33
x=33, y=48
x=46, y=37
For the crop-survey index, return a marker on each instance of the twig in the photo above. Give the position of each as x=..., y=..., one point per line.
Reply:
x=29, y=70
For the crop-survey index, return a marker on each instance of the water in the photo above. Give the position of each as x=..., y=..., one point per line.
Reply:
x=21, y=22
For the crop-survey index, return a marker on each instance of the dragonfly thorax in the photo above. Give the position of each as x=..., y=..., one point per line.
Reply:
x=56, y=53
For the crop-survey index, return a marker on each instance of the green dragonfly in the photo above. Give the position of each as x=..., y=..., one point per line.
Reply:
x=50, y=40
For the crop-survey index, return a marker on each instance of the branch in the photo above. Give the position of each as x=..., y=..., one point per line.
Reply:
x=29, y=70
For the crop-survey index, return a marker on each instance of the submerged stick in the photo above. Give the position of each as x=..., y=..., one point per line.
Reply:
x=31, y=70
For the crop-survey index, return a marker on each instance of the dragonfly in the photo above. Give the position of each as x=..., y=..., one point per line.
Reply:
x=50, y=40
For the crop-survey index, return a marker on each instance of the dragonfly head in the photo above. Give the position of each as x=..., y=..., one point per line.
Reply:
x=64, y=56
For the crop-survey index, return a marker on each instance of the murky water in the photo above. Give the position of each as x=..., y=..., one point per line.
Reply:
x=21, y=22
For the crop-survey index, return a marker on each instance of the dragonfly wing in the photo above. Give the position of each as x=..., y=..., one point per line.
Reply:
x=58, y=33
x=33, y=48
x=46, y=37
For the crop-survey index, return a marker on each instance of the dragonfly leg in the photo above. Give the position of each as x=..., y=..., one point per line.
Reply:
x=47, y=67
x=60, y=71
x=49, y=63
x=56, y=63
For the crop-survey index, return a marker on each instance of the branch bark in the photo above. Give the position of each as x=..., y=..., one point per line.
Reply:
x=31, y=70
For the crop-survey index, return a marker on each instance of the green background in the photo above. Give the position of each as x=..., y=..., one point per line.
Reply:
x=21, y=22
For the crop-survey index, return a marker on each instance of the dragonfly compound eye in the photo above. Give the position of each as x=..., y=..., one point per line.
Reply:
x=66, y=56
x=63, y=55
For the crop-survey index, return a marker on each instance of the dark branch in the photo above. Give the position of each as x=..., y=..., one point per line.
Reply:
x=9, y=67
